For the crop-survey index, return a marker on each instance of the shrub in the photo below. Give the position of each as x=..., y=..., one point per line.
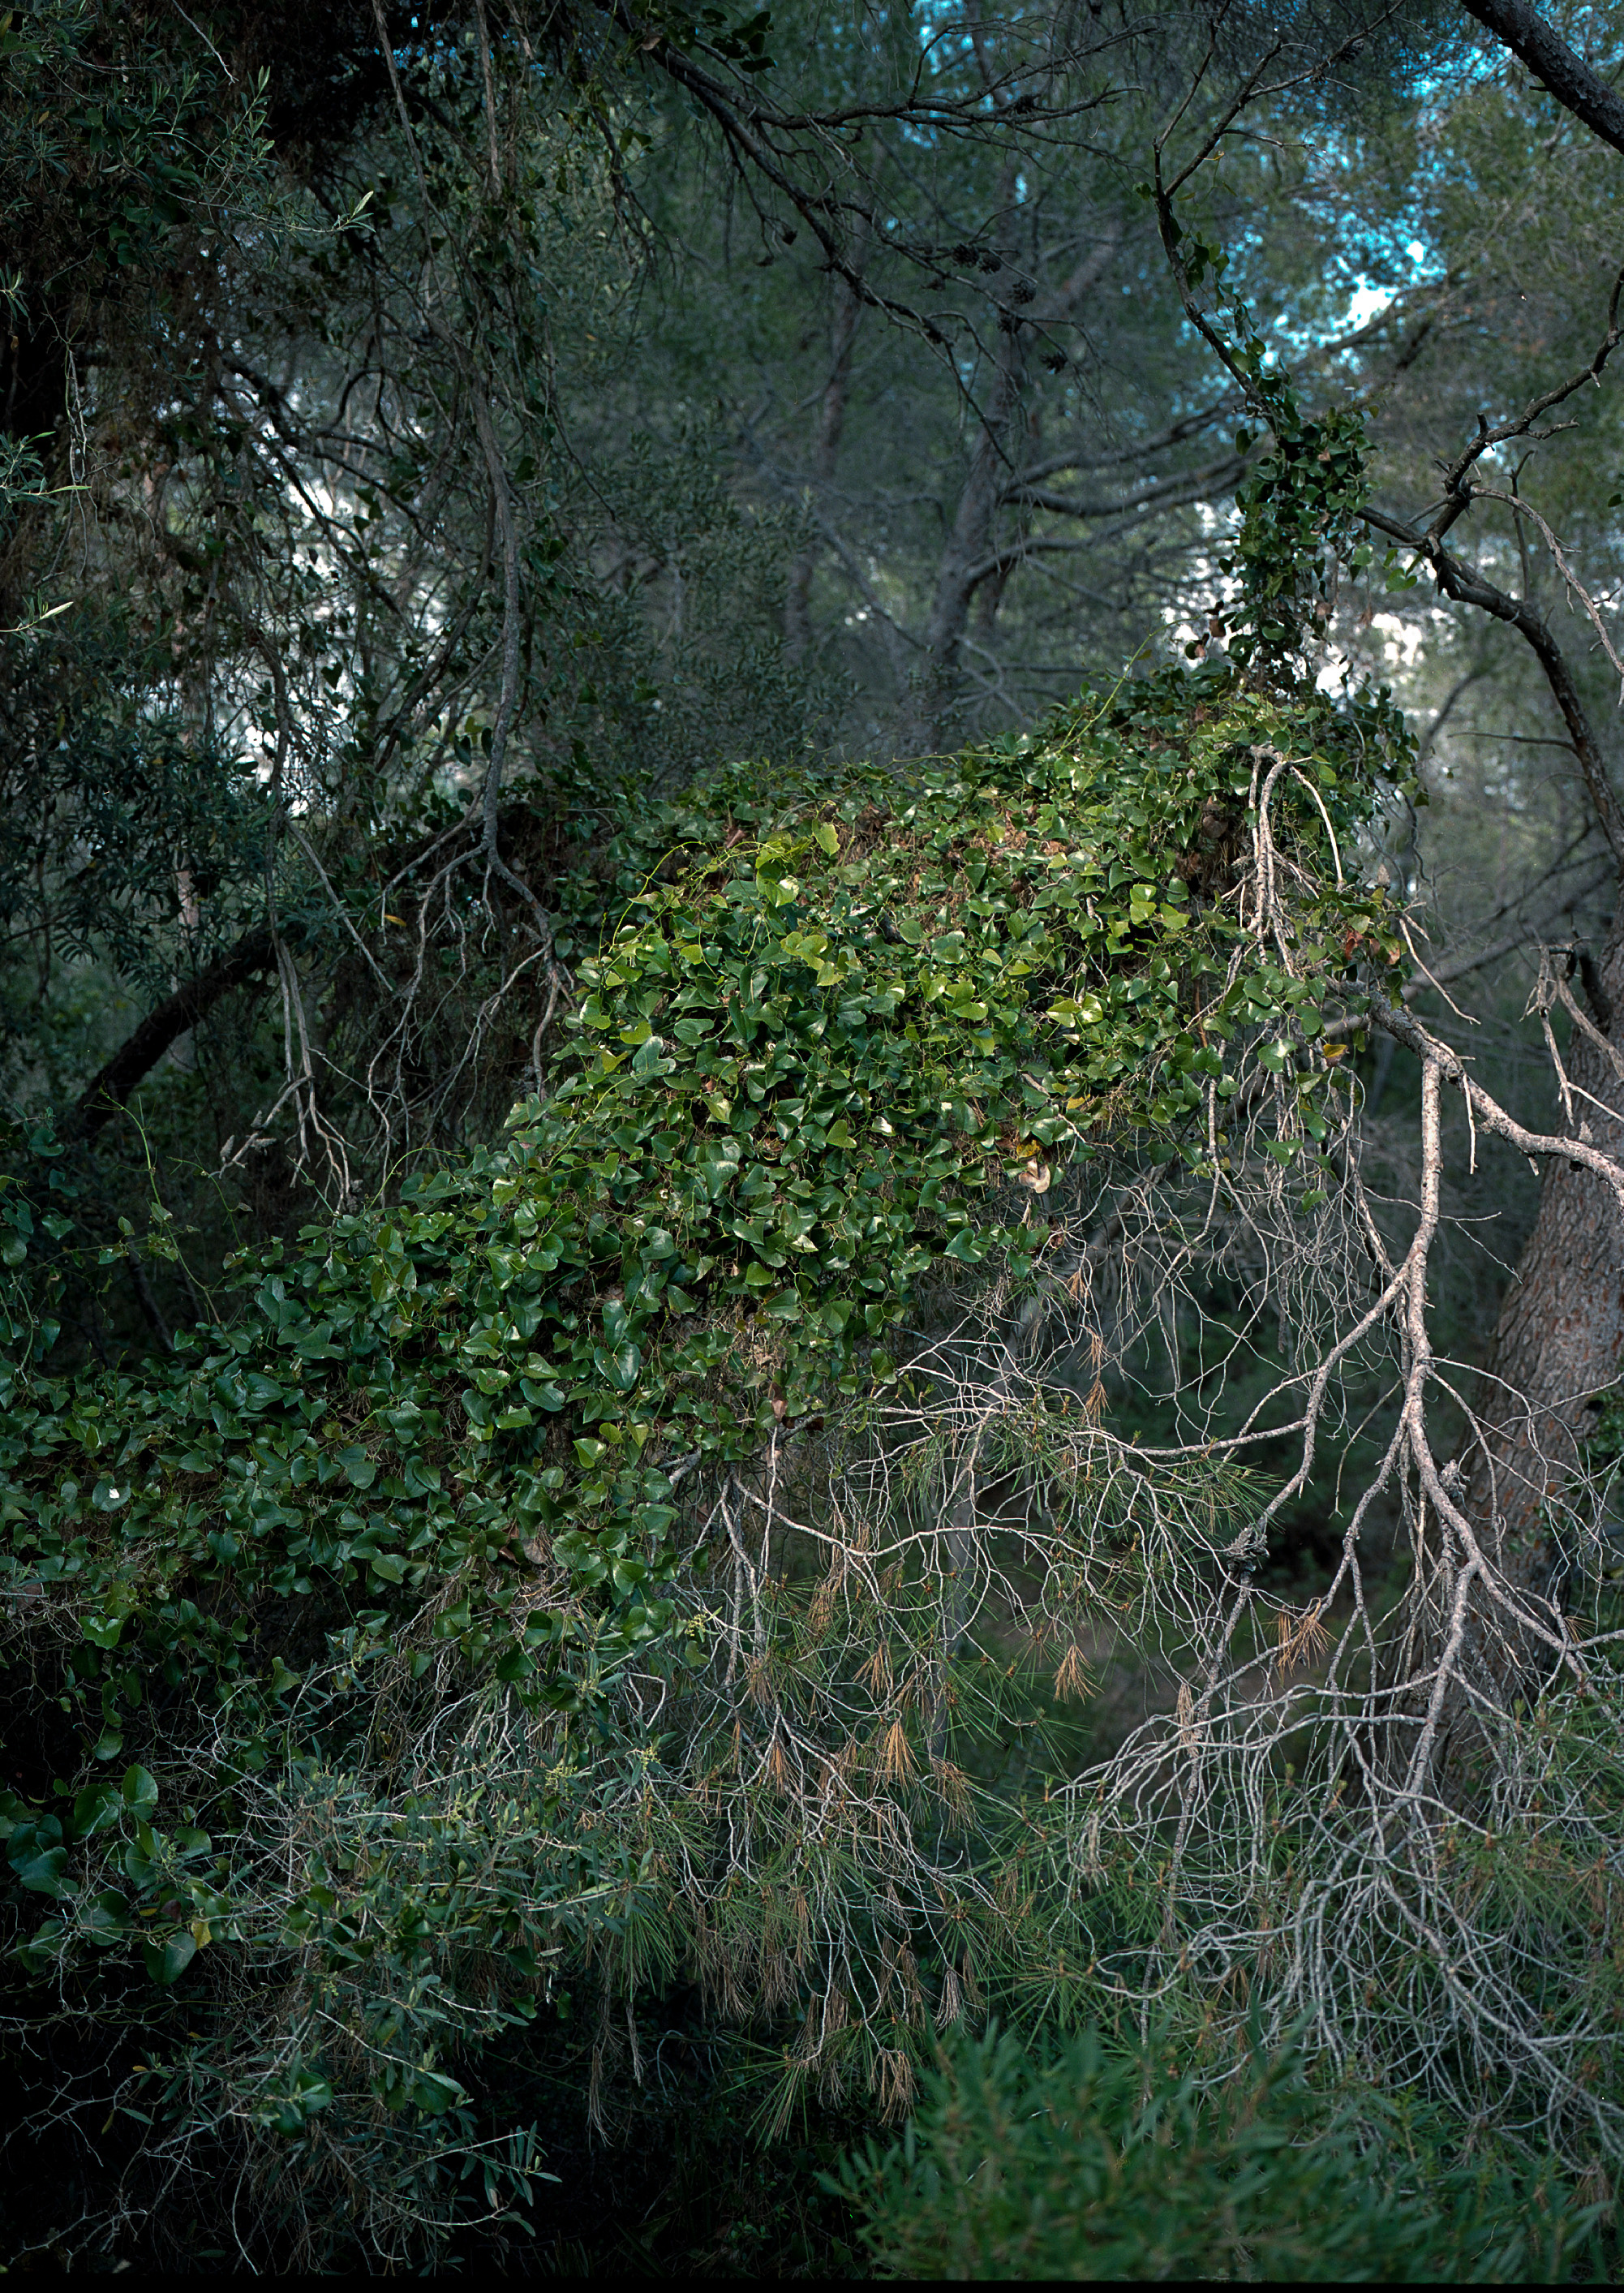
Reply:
x=1093, y=2163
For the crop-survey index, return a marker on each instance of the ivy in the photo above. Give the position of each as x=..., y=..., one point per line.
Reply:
x=799, y=1077
x=1300, y=503
x=812, y=1063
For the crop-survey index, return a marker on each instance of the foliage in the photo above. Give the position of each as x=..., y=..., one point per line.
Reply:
x=1097, y=2163
x=328, y=1572
x=121, y=148
x=109, y=161
x=788, y=1089
x=1298, y=505
x=624, y=1595
x=132, y=824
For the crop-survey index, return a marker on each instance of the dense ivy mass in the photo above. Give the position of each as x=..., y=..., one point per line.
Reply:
x=799, y=1073
x=829, y=1040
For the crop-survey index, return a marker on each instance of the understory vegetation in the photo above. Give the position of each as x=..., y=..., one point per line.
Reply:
x=803, y=1469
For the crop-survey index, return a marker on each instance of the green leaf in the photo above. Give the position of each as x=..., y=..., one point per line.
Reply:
x=312, y=2091
x=621, y=1367
x=166, y=1962
x=434, y=2093
x=43, y=1872
x=106, y=1917
x=96, y=1806
x=139, y=1791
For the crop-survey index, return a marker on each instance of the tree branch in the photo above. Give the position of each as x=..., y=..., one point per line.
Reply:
x=1565, y=75
x=1468, y=587
x=253, y=954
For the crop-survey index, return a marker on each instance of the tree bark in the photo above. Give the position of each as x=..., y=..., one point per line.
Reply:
x=965, y=561
x=1560, y=1341
x=1565, y=75
x=1560, y=1338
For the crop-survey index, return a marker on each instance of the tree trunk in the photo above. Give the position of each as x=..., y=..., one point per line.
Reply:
x=974, y=555
x=965, y=562
x=846, y=310
x=1560, y=1341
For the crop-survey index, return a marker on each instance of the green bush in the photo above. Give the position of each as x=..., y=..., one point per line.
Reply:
x=1100, y=2164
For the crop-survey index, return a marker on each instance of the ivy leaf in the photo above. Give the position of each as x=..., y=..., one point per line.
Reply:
x=106, y=1917
x=621, y=1367
x=96, y=1806
x=43, y=1872
x=37, y=1857
x=166, y=1962
x=139, y=1791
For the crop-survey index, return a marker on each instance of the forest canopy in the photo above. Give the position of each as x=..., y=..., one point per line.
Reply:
x=812, y=1026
